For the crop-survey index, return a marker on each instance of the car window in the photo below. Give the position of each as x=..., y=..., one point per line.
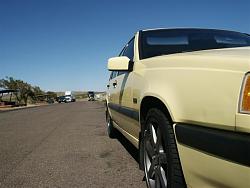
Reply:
x=121, y=72
x=230, y=40
x=176, y=40
x=129, y=50
x=121, y=53
x=113, y=75
x=170, y=41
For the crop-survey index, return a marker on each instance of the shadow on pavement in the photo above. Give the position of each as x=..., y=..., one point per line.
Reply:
x=131, y=149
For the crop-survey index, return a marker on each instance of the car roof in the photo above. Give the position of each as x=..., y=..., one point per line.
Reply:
x=187, y=28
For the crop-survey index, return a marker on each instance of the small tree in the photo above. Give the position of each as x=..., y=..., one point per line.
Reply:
x=38, y=94
x=25, y=89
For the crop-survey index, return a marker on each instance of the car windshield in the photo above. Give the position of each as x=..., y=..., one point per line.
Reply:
x=170, y=41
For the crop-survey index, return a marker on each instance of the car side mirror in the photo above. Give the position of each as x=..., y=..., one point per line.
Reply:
x=121, y=63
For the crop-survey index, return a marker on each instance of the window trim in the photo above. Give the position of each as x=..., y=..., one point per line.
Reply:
x=140, y=45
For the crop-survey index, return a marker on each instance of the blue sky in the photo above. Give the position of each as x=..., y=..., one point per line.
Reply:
x=64, y=44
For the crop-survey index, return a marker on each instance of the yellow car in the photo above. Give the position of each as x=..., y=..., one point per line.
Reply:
x=182, y=97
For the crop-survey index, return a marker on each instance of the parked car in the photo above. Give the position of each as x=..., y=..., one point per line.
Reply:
x=91, y=96
x=61, y=99
x=181, y=96
x=50, y=101
x=70, y=98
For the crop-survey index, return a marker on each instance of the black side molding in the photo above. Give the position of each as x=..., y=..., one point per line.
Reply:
x=134, y=114
x=228, y=145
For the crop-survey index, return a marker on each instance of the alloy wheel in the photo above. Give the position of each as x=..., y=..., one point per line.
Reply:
x=155, y=158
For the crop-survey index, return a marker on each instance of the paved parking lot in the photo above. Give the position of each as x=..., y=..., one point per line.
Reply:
x=64, y=145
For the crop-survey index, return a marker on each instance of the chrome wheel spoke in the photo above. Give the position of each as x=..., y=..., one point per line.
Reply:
x=151, y=171
x=153, y=134
x=162, y=177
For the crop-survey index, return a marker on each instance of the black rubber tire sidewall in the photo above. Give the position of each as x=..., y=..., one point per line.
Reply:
x=111, y=131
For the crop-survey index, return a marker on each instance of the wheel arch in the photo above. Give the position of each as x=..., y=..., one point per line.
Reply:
x=148, y=102
x=151, y=101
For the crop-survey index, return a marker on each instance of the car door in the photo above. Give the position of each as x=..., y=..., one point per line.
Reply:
x=111, y=93
x=127, y=118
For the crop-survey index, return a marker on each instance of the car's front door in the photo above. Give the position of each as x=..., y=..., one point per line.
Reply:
x=111, y=93
x=127, y=118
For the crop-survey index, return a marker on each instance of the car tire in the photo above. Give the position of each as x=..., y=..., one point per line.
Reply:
x=161, y=161
x=112, y=132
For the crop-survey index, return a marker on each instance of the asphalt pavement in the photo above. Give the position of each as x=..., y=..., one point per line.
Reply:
x=64, y=145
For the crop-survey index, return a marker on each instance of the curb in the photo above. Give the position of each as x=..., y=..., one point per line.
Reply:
x=16, y=109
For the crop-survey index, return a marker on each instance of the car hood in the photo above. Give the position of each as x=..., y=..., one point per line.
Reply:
x=235, y=59
x=239, y=52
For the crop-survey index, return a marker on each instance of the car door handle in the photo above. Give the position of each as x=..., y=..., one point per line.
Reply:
x=115, y=84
